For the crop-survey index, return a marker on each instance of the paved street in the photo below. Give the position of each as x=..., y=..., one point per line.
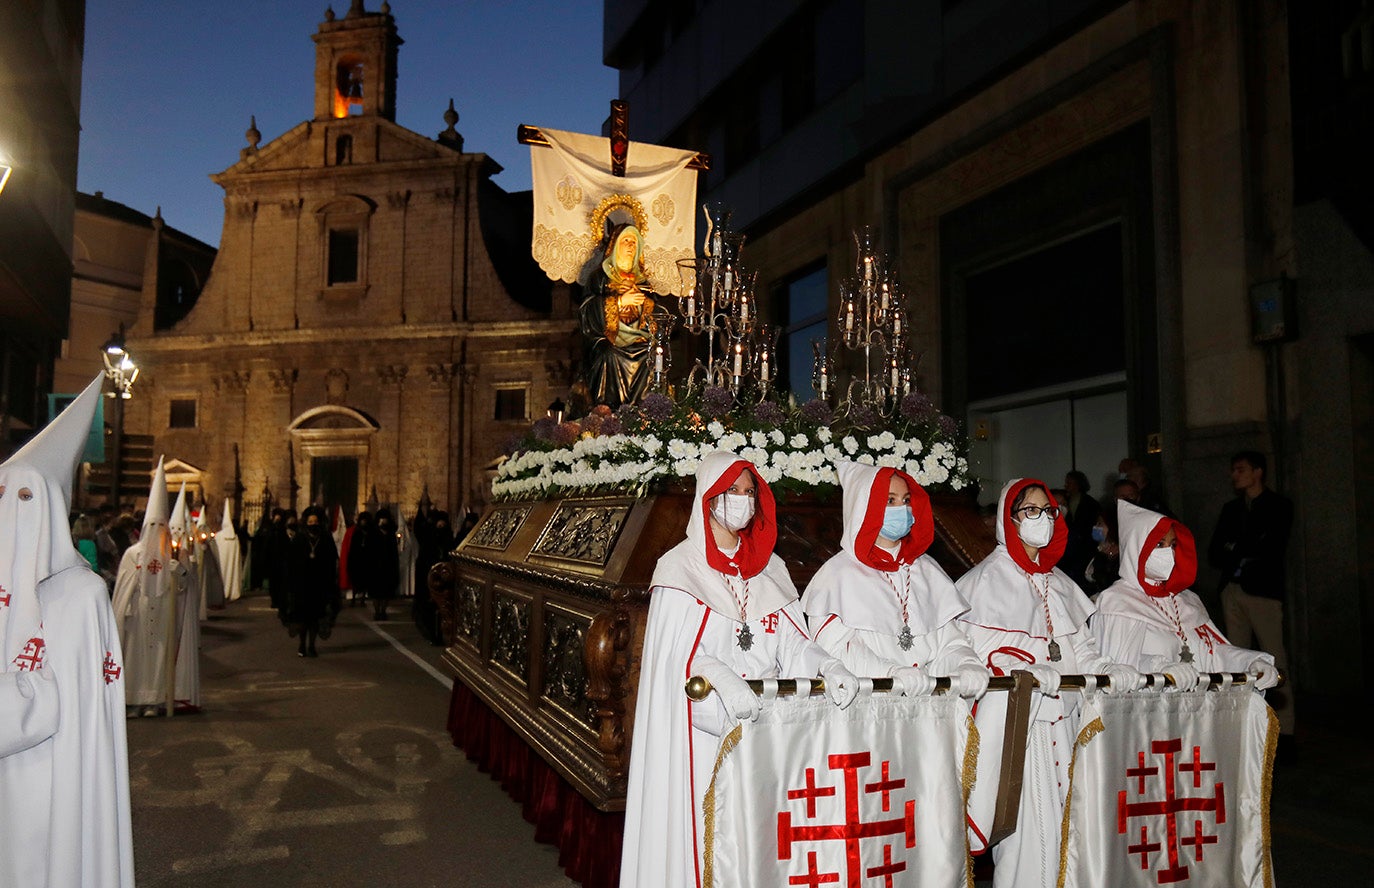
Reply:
x=332, y=771
x=337, y=772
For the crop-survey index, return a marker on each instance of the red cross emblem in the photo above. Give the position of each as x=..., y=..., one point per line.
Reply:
x=1170, y=807
x=770, y=624
x=31, y=657
x=852, y=830
x=4, y=597
x=112, y=669
x=154, y=567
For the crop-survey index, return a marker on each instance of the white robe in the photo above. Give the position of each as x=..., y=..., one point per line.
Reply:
x=230, y=558
x=143, y=601
x=854, y=610
x=64, y=777
x=1142, y=631
x=1007, y=625
x=673, y=753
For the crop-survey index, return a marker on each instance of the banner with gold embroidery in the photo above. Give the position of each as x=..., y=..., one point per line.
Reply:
x=575, y=195
x=1171, y=789
x=870, y=795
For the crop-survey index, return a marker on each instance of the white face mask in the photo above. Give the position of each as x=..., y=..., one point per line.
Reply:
x=732, y=510
x=1159, y=565
x=1036, y=532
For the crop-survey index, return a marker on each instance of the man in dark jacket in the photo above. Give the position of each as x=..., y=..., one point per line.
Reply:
x=1248, y=548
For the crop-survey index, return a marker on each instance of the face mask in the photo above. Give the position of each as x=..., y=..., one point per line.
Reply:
x=1099, y=534
x=312, y=529
x=1036, y=531
x=732, y=510
x=897, y=522
x=1159, y=565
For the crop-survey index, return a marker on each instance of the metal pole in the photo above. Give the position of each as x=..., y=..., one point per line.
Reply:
x=117, y=455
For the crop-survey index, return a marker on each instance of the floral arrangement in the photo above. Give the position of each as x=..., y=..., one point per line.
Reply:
x=645, y=446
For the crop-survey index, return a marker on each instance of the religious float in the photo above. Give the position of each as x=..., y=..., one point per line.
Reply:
x=543, y=604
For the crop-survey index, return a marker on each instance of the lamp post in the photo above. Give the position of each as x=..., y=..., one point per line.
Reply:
x=122, y=371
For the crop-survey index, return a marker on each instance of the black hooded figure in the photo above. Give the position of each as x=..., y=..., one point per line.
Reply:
x=312, y=598
x=436, y=541
x=384, y=564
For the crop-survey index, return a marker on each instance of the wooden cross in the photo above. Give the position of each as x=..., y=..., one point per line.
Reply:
x=620, y=139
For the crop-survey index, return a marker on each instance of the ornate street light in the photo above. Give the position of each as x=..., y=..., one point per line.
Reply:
x=121, y=370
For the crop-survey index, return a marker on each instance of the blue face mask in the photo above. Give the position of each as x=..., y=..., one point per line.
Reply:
x=897, y=522
x=1099, y=534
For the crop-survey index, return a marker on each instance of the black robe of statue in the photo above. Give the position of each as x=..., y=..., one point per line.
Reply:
x=617, y=374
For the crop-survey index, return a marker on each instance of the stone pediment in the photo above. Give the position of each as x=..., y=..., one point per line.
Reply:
x=298, y=149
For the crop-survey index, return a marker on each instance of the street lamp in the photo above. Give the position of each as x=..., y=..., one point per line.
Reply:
x=121, y=370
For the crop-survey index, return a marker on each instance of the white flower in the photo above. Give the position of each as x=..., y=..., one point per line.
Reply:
x=866, y=459
x=715, y=429
x=777, y=437
x=732, y=441
x=758, y=439
x=850, y=445
x=798, y=441
x=652, y=445
x=831, y=452
x=770, y=474
x=916, y=446
x=823, y=435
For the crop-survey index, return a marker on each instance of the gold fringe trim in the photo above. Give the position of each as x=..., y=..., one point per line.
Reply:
x=969, y=778
x=1089, y=731
x=708, y=805
x=1271, y=745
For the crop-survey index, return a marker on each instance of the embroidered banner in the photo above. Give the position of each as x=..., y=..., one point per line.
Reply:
x=575, y=194
x=1171, y=789
x=872, y=795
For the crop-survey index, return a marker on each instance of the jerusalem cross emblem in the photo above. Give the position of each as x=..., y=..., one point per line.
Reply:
x=854, y=829
x=111, y=668
x=31, y=657
x=154, y=567
x=1182, y=827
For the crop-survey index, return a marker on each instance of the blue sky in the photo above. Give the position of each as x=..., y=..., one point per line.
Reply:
x=168, y=86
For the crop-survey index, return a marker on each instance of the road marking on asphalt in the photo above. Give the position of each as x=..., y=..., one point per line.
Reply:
x=391, y=639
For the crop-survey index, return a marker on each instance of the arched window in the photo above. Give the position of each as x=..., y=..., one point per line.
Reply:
x=348, y=87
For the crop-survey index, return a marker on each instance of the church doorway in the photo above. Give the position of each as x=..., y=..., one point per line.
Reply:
x=334, y=482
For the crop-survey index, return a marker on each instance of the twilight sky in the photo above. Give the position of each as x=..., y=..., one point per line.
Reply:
x=168, y=86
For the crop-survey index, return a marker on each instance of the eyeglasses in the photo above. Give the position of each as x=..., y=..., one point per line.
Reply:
x=1033, y=512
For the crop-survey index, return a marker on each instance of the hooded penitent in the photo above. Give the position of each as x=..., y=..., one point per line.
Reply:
x=1146, y=622
x=866, y=585
x=1010, y=591
x=143, y=599
x=64, y=802
x=696, y=617
x=230, y=556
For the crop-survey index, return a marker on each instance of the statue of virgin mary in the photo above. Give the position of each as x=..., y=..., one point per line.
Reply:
x=619, y=318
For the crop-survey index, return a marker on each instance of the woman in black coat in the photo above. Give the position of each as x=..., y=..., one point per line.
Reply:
x=312, y=595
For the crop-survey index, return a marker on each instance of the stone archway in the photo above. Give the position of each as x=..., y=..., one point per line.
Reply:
x=333, y=449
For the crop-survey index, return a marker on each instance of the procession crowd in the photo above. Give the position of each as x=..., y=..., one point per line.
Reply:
x=724, y=608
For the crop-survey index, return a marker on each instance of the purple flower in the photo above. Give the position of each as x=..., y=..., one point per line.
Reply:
x=592, y=423
x=657, y=408
x=817, y=412
x=768, y=413
x=611, y=426
x=863, y=416
x=543, y=428
x=716, y=402
x=917, y=407
x=566, y=433
x=949, y=426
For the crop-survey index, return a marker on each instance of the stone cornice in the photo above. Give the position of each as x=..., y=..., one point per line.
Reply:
x=355, y=337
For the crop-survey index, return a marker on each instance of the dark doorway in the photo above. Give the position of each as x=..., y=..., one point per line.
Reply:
x=334, y=482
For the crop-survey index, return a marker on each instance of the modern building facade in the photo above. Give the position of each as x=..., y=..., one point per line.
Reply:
x=41, y=46
x=1092, y=209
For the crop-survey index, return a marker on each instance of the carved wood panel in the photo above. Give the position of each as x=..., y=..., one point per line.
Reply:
x=584, y=532
x=510, y=635
x=564, y=675
x=499, y=527
x=468, y=613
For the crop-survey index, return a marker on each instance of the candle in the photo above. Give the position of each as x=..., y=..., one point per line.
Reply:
x=658, y=360
x=744, y=308
x=691, y=304
x=897, y=324
x=825, y=382
x=739, y=361
x=849, y=317
x=729, y=279
x=715, y=243
x=763, y=366
x=868, y=268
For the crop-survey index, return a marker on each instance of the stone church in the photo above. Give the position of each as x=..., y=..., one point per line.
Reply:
x=373, y=319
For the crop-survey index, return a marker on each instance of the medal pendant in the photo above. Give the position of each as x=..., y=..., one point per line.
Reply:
x=905, y=638
x=1186, y=655
x=1054, y=652
x=745, y=637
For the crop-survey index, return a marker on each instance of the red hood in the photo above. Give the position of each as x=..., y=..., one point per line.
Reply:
x=914, y=544
x=757, y=539
x=1052, y=551
x=1185, y=559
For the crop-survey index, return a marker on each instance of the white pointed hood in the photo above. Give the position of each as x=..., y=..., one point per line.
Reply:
x=698, y=567
x=226, y=526
x=35, y=539
x=866, y=592
x=230, y=556
x=180, y=522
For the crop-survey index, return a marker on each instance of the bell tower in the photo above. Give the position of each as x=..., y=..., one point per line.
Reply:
x=355, y=64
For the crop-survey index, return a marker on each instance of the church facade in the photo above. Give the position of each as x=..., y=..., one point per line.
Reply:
x=372, y=323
